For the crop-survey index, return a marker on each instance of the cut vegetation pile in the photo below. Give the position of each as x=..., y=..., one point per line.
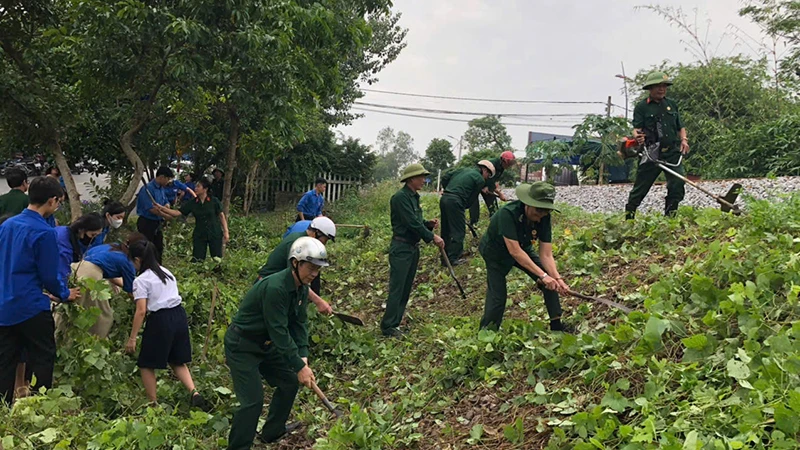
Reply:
x=709, y=359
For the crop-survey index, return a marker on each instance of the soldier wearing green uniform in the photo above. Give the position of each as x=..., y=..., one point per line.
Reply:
x=461, y=188
x=408, y=227
x=492, y=192
x=210, y=227
x=321, y=228
x=508, y=243
x=268, y=338
x=657, y=122
x=16, y=200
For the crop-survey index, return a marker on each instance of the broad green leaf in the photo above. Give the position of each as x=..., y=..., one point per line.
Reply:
x=738, y=369
x=539, y=389
x=615, y=401
x=696, y=342
x=654, y=329
x=691, y=441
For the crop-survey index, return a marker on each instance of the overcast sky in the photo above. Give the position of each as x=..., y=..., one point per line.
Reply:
x=554, y=50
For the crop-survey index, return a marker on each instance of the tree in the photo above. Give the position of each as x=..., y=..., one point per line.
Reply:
x=36, y=95
x=438, y=156
x=549, y=154
x=487, y=133
x=607, y=131
x=780, y=20
x=395, y=151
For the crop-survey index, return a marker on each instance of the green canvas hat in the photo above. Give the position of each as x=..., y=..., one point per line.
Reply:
x=656, y=78
x=539, y=194
x=413, y=170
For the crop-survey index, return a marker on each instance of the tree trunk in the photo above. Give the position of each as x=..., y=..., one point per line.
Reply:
x=126, y=142
x=602, y=171
x=75, y=206
x=230, y=165
x=250, y=188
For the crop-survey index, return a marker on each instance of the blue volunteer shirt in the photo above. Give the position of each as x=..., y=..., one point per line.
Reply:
x=311, y=204
x=28, y=264
x=100, y=238
x=298, y=226
x=144, y=204
x=51, y=220
x=66, y=255
x=191, y=185
x=114, y=265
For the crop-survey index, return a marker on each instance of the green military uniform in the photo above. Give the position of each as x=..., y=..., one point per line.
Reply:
x=662, y=123
x=490, y=199
x=267, y=339
x=279, y=258
x=207, y=228
x=217, y=187
x=460, y=190
x=510, y=222
x=408, y=227
x=13, y=202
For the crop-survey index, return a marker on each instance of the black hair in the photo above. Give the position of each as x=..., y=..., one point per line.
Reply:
x=124, y=247
x=5, y=217
x=86, y=222
x=15, y=177
x=43, y=189
x=52, y=168
x=203, y=182
x=192, y=175
x=146, y=252
x=165, y=171
x=320, y=181
x=112, y=208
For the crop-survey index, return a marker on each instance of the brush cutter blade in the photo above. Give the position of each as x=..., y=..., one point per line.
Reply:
x=730, y=197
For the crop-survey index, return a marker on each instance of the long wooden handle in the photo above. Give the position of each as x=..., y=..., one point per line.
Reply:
x=452, y=272
x=716, y=197
x=324, y=399
x=339, y=225
x=210, y=320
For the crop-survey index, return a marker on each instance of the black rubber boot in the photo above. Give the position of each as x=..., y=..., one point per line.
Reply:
x=630, y=215
x=670, y=209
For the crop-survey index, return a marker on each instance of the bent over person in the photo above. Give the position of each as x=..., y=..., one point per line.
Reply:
x=408, y=227
x=657, y=124
x=461, y=188
x=268, y=338
x=508, y=243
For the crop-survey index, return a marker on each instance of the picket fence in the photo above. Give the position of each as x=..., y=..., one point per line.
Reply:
x=270, y=193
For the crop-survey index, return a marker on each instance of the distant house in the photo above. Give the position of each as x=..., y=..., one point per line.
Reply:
x=571, y=177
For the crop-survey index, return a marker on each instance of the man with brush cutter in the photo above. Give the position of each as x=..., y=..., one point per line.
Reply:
x=408, y=228
x=508, y=243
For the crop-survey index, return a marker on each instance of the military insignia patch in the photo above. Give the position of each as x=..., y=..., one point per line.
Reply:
x=669, y=108
x=533, y=235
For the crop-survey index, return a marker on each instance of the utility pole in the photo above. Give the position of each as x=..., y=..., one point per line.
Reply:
x=625, y=83
x=603, y=163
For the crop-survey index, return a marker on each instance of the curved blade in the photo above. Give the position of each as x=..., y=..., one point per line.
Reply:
x=349, y=319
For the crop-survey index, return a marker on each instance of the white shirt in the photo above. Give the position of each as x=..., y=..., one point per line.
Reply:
x=159, y=295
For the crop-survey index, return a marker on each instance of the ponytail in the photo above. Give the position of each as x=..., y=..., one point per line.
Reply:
x=124, y=247
x=146, y=252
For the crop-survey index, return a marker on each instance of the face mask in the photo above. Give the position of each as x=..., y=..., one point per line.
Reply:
x=86, y=240
x=116, y=223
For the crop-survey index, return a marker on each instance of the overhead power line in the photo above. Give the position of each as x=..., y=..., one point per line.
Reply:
x=447, y=119
x=489, y=100
x=468, y=113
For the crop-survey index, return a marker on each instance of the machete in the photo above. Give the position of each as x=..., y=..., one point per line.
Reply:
x=349, y=319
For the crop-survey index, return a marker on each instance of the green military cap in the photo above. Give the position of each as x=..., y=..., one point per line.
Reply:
x=656, y=78
x=413, y=170
x=539, y=194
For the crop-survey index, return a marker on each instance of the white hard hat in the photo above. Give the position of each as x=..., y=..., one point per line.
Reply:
x=488, y=164
x=325, y=226
x=309, y=249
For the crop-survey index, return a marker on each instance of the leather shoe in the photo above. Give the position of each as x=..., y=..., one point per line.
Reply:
x=291, y=426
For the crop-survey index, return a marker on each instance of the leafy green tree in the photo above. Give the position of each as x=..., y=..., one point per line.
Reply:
x=780, y=20
x=487, y=133
x=607, y=131
x=395, y=151
x=438, y=156
x=548, y=153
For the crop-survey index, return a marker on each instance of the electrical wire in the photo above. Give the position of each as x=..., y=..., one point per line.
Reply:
x=447, y=119
x=471, y=99
x=467, y=113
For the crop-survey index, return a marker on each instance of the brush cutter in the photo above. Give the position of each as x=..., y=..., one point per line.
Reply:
x=365, y=228
x=325, y=400
x=630, y=148
x=452, y=272
x=349, y=319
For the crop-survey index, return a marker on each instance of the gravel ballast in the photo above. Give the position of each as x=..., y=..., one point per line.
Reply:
x=612, y=198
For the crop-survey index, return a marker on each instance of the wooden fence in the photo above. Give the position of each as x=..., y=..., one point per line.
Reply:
x=271, y=193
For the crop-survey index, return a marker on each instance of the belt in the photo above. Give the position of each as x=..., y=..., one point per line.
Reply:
x=405, y=241
x=250, y=337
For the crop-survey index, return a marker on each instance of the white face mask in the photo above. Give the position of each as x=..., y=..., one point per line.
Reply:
x=116, y=223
